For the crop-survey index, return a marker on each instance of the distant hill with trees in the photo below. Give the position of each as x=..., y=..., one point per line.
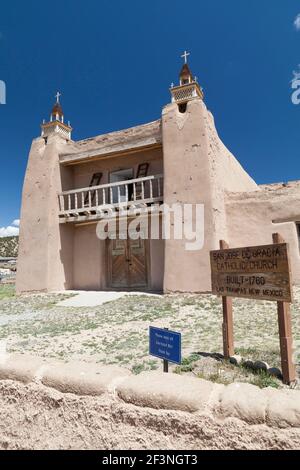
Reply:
x=9, y=246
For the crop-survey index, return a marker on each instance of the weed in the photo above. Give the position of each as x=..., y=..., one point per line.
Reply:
x=262, y=379
x=138, y=368
x=7, y=291
x=187, y=363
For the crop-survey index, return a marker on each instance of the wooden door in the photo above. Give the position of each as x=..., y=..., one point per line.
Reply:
x=118, y=272
x=128, y=265
x=137, y=263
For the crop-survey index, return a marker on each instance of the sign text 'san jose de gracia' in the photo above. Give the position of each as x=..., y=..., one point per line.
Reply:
x=257, y=272
x=165, y=344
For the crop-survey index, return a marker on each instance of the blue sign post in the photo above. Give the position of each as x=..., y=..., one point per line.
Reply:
x=166, y=345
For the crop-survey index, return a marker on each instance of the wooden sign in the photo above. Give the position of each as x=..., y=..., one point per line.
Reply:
x=257, y=272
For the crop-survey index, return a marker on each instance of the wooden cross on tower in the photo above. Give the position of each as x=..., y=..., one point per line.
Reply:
x=185, y=56
x=57, y=96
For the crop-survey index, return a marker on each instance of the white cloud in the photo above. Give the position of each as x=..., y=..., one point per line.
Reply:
x=11, y=230
x=297, y=22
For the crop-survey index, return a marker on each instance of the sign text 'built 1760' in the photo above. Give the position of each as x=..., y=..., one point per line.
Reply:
x=258, y=272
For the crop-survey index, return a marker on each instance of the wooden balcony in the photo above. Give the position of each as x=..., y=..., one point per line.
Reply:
x=93, y=202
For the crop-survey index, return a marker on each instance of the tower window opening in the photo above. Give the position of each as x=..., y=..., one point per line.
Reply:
x=298, y=232
x=182, y=107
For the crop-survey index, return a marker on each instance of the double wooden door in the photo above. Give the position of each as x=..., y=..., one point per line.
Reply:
x=128, y=267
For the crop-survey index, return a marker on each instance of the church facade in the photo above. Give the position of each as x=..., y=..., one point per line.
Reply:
x=72, y=186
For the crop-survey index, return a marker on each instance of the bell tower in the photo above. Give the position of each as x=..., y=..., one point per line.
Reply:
x=44, y=245
x=188, y=88
x=188, y=182
x=56, y=124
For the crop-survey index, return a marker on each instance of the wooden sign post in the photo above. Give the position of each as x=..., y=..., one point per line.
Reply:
x=165, y=361
x=285, y=333
x=257, y=272
x=227, y=327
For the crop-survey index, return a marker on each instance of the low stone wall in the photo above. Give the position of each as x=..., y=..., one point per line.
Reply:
x=53, y=405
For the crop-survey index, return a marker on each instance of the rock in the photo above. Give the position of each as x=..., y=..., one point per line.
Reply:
x=261, y=365
x=236, y=360
x=275, y=372
x=248, y=364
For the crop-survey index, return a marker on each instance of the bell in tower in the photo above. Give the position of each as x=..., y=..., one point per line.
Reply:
x=57, y=112
x=185, y=76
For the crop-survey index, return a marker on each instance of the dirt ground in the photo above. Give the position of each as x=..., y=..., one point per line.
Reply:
x=117, y=332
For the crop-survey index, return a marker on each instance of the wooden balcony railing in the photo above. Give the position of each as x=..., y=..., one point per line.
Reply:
x=90, y=201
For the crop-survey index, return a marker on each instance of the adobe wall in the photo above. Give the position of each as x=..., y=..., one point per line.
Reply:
x=226, y=174
x=115, y=142
x=89, y=257
x=90, y=260
x=186, y=181
x=198, y=169
x=45, y=248
x=46, y=404
x=82, y=173
x=157, y=262
x=253, y=217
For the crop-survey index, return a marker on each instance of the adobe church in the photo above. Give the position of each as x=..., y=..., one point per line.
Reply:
x=177, y=159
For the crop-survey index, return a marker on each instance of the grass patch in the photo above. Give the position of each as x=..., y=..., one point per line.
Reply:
x=7, y=291
x=138, y=368
x=187, y=364
x=215, y=377
x=262, y=379
x=225, y=373
x=271, y=356
x=145, y=366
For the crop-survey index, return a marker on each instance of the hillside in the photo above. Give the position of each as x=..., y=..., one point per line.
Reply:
x=9, y=246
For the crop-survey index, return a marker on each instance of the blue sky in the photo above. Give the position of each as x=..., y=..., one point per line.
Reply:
x=114, y=60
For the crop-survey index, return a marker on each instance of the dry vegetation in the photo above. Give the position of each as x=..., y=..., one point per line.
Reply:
x=117, y=332
x=9, y=247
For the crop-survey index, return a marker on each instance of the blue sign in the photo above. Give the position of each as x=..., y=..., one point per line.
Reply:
x=165, y=344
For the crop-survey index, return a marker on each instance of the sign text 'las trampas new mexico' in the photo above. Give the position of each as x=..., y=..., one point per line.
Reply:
x=258, y=272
